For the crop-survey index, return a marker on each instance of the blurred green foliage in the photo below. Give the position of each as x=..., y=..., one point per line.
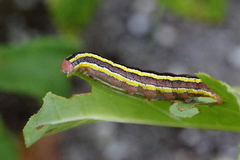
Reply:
x=71, y=16
x=204, y=10
x=7, y=149
x=33, y=68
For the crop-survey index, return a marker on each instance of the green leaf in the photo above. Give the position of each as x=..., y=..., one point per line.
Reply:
x=236, y=90
x=108, y=104
x=205, y=10
x=33, y=67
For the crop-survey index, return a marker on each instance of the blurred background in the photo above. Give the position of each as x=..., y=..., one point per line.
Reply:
x=162, y=35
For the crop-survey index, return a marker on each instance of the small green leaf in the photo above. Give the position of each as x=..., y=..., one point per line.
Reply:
x=107, y=104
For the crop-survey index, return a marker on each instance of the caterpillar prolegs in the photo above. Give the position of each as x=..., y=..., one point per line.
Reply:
x=134, y=81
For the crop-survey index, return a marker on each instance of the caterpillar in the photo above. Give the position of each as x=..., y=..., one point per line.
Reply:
x=136, y=81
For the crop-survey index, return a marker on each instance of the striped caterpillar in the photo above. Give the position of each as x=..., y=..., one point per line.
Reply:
x=135, y=81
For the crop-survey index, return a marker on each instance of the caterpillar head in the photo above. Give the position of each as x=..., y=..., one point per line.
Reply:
x=66, y=66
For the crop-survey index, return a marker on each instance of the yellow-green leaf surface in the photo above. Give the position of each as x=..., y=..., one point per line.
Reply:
x=107, y=104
